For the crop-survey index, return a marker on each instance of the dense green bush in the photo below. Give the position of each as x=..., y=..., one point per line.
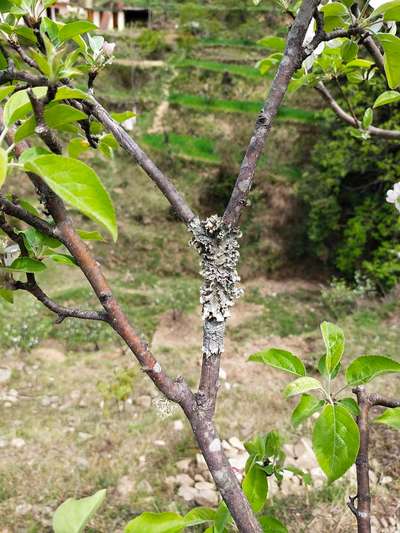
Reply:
x=151, y=43
x=348, y=224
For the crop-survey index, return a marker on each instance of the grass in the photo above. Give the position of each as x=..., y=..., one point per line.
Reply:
x=192, y=148
x=214, y=42
x=204, y=103
x=216, y=66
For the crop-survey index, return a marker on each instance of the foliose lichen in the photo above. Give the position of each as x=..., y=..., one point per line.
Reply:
x=218, y=247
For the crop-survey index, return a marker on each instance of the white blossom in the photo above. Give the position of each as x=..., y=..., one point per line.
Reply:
x=108, y=48
x=393, y=196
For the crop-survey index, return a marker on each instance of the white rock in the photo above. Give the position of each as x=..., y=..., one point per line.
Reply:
x=385, y=480
x=159, y=442
x=183, y=464
x=184, y=479
x=84, y=436
x=208, y=498
x=227, y=385
x=236, y=443
x=125, y=486
x=5, y=375
x=187, y=493
x=178, y=425
x=238, y=462
x=3, y=443
x=222, y=373
x=23, y=509
x=201, y=462
x=17, y=442
x=204, y=485
x=144, y=401
x=199, y=477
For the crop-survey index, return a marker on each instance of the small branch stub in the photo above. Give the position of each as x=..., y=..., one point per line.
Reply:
x=218, y=247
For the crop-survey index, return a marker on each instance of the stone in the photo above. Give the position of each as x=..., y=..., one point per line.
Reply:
x=236, y=443
x=125, y=486
x=5, y=375
x=159, y=442
x=201, y=462
x=239, y=462
x=187, y=493
x=199, y=477
x=204, y=485
x=178, y=425
x=3, y=443
x=84, y=436
x=184, y=479
x=17, y=442
x=183, y=464
x=143, y=401
x=385, y=480
x=222, y=374
x=23, y=509
x=207, y=498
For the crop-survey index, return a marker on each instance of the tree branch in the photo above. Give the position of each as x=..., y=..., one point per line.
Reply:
x=363, y=510
x=125, y=141
x=352, y=121
x=290, y=62
x=33, y=288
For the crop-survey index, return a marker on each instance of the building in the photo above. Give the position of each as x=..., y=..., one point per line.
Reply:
x=107, y=15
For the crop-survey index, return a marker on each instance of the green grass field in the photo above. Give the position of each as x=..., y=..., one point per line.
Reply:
x=204, y=103
x=216, y=66
x=192, y=148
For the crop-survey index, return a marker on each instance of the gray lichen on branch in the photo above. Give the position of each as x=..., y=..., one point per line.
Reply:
x=218, y=247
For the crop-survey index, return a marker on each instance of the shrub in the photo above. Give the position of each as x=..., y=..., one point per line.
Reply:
x=348, y=224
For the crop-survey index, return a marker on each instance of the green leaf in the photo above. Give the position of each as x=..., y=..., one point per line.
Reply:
x=390, y=417
x=29, y=207
x=78, y=185
x=300, y=385
x=31, y=153
x=307, y=406
x=367, y=118
x=124, y=115
x=56, y=115
x=73, y=515
x=280, y=359
x=18, y=105
x=5, y=91
x=367, y=367
x=386, y=9
x=270, y=524
x=324, y=372
x=63, y=259
x=336, y=441
x=334, y=342
x=351, y=405
x=334, y=9
x=72, y=29
x=90, y=235
x=64, y=93
x=255, y=488
x=77, y=146
x=349, y=51
x=273, y=43
x=3, y=166
x=156, y=523
x=26, y=264
x=199, y=515
x=388, y=97
x=391, y=47
x=222, y=519
x=7, y=295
